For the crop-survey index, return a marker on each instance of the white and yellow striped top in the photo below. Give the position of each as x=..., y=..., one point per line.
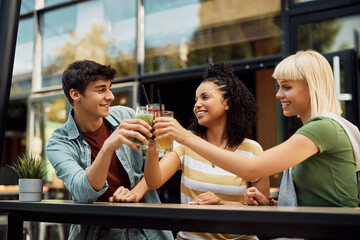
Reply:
x=200, y=176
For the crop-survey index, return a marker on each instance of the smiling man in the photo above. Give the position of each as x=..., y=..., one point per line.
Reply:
x=93, y=154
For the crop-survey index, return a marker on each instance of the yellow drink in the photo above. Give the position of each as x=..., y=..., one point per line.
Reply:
x=166, y=144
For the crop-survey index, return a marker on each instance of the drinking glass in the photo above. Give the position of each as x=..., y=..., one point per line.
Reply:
x=142, y=113
x=166, y=144
x=155, y=107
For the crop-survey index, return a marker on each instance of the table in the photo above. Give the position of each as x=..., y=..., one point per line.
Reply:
x=308, y=222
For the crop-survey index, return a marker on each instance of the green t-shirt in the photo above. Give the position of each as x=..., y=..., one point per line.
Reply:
x=327, y=178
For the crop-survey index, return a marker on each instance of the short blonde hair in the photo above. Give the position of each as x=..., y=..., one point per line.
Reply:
x=312, y=67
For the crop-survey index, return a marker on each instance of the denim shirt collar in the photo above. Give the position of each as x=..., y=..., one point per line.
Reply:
x=74, y=131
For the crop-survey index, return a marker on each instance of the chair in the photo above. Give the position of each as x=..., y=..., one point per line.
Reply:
x=43, y=227
x=3, y=224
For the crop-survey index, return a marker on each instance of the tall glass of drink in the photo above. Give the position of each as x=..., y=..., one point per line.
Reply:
x=155, y=107
x=142, y=113
x=166, y=144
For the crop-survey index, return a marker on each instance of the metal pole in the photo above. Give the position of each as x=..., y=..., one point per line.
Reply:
x=9, y=21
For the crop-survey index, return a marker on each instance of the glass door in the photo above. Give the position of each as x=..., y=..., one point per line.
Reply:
x=344, y=65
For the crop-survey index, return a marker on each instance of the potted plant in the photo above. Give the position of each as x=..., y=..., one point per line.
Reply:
x=30, y=170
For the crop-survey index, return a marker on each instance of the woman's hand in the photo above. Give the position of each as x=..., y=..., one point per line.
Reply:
x=254, y=197
x=170, y=128
x=207, y=198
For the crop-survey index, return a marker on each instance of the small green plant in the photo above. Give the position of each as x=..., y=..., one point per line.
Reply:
x=28, y=166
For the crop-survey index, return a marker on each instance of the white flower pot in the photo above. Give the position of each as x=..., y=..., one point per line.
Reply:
x=30, y=189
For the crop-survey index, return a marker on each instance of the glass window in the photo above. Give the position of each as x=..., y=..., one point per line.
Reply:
x=300, y=1
x=103, y=31
x=23, y=60
x=121, y=98
x=325, y=1
x=184, y=33
x=331, y=35
x=27, y=6
x=54, y=2
x=15, y=133
x=49, y=114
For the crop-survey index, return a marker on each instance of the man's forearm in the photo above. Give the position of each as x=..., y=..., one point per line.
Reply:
x=98, y=171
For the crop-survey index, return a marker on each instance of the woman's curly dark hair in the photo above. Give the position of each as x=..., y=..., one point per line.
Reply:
x=242, y=113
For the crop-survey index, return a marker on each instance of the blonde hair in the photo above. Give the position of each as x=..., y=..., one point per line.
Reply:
x=316, y=71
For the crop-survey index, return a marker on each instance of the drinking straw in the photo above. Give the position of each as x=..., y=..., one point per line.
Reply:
x=144, y=92
x=159, y=98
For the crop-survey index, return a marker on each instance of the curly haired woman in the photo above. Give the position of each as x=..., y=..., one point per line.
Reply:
x=225, y=112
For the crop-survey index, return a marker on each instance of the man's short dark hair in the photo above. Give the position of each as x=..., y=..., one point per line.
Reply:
x=79, y=73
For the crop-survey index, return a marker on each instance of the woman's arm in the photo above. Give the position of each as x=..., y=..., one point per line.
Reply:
x=290, y=153
x=157, y=173
x=260, y=196
x=209, y=198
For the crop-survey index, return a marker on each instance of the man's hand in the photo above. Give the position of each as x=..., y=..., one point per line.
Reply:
x=207, y=198
x=123, y=194
x=128, y=129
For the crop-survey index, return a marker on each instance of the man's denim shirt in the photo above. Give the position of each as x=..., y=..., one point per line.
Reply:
x=70, y=156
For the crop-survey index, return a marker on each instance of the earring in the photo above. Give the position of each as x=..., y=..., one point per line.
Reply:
x=226, y=107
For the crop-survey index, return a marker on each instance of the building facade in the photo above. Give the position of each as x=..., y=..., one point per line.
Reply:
x=165, y=45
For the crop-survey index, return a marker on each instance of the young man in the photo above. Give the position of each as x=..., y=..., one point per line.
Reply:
x=89, y=153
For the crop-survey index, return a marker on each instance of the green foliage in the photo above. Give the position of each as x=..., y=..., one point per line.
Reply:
x=28, y=166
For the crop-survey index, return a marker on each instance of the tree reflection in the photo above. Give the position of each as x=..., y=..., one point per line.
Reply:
x=320, y=36
x=93, y=46
x=225, y=31
x=55, y=110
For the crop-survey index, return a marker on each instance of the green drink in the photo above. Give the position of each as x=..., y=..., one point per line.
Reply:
x=141, y=113
x=146, y=117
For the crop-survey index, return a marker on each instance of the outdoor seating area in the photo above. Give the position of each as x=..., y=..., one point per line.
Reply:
x=173, y=119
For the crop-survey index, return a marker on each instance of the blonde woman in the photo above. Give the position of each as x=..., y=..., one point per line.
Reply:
x=320, y=152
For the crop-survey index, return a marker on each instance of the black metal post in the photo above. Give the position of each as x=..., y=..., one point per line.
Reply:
x=9, y=21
